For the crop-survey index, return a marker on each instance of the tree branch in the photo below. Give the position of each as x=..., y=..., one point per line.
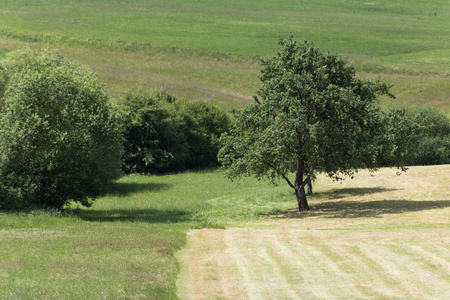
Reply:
x=279, y=173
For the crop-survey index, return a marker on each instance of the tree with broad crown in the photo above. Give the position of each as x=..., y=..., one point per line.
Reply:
x=311, y=115
x=60, y=140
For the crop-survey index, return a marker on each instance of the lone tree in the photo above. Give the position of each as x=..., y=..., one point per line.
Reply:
x=311, y=115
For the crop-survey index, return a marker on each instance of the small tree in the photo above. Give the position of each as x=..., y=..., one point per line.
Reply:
x=59, y=141
x=311, y=114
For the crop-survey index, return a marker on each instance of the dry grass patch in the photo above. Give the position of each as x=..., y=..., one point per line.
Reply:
x=376, y=237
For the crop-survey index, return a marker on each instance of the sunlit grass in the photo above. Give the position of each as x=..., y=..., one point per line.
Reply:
x=378, y=236
x=209, y=49
x=124, y=245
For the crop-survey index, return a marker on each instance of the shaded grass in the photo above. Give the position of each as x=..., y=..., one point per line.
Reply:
x=369, y=209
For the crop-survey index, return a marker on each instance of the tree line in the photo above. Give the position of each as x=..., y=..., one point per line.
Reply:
x=62, y=138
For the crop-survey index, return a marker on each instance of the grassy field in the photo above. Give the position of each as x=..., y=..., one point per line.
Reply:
x=208, y=49
x=125, y=245
x=382, y=237
x=380, y=230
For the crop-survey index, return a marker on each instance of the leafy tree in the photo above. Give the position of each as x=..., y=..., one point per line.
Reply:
x=415, y=137
x=311, y=115
x=59, y=140
x=432, y=147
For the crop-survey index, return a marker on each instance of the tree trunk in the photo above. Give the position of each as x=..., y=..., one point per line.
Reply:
x=301, y=199
x=300, y=188
x=309, y=187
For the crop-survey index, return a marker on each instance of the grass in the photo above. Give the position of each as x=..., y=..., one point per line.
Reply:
x=124, y=246
x=381, y=237
x=208, y=49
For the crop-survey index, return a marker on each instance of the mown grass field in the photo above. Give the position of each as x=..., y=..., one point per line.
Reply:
x=209, y=49
x=382, y=237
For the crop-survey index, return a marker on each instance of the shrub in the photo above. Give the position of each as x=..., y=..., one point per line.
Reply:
x=202, y=125
x=59, y=140
x=166, y=134
x=433, y=145
x=417, y=136
x=152, y=140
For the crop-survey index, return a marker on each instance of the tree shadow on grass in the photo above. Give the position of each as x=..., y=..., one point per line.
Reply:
x=349, y=192
x=335, y=208
x=149, y=215
x=366, y=209
x=135, y=215
x=122, y=189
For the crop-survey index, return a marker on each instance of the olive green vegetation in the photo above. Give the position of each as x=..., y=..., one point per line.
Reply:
x=208, y=49
x=59, y=137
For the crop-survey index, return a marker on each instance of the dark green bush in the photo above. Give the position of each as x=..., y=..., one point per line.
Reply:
x=166, y=134
x=202, y=125
x=416, y=136
x=59, y=140
x=433, y=144
x=153, y=142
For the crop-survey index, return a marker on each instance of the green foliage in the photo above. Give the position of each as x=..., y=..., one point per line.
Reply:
x=152, y=140
x=59, y=140
x=202, y=124
x=165, y=134
x=312, y=114
x=415, y=137
x=433, y=146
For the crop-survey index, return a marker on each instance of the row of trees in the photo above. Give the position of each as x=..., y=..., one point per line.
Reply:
x=62, y=140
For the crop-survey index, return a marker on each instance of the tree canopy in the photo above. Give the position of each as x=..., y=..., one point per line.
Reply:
x=310, y=114
x=59, y=140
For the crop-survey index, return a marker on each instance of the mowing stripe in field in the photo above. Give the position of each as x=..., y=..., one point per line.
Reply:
x=315, y=264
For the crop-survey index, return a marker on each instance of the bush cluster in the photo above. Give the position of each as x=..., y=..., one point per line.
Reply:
x=432, y=145
x=164, y=134
x=417, y=137
x=61, y=140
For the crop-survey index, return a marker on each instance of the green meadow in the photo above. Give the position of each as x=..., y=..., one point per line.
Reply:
x=209, y=49
x=124, y=246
